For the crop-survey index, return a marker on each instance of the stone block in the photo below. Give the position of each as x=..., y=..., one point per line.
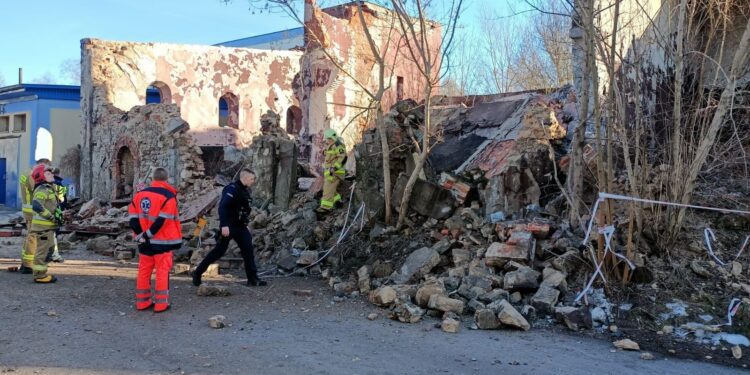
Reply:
x=494, y=295
x=426, y=291
x=419, y=263
x=427, y=198
x=445, y=304
x=450, y=325
x=212, y=270
x=499, y=254
x=212, y=291
x=486, y=319
x=406, y=312
x=545, y=299
x=539, y=230
x=574, y=318
x=383, y=296
x=509, y=316
x=461, y=256
x=217, y=321
x=307, y=258
x=475, y=305
x=523, y=278
x=181, y=268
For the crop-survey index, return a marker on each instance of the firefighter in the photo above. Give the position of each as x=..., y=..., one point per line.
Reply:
x=333, y=170
x=47, y=218
x=62, y=196
x=26, y=188
x=234, y=216
x=155, y=221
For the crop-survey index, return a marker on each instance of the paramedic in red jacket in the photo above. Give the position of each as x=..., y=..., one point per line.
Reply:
x=154, y=219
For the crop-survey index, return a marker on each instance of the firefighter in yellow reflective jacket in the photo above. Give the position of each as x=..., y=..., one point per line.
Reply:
x=333, y=169
x=47, y=218
x=26, y=189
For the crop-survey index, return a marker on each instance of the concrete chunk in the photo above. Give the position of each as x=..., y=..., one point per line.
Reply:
x=418, y=264
x=445, y=304
x=509, y=316
x=498, y=254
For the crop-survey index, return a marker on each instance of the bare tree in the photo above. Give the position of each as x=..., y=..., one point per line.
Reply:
x=46, y=78
x=378, y=52
x=428, y=53
x=70, y=71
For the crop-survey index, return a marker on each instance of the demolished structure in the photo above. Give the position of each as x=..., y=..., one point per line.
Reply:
x=309, y=91
x=486, y=233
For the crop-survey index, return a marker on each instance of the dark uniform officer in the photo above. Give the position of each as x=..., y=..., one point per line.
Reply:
x=234, y=215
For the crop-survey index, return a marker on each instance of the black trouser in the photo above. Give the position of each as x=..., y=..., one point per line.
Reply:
x=241, y=235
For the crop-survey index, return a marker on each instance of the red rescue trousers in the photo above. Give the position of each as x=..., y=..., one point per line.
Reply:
x=146, y=265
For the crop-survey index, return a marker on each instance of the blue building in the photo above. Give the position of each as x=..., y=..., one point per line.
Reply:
x=35, y=121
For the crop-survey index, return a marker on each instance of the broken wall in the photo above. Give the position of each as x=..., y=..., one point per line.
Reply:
x=331, y=93
x=191, y=81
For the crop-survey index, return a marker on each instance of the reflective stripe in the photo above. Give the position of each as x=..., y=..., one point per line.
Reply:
x=149, y=234
x=133, y=216
x=143, y=290
x=166, y=242
x=167, y=216
x=27, y=257
x=39, y=267
x=326, y=204
x=43, y=223
x=145, y=216
x=161, y=300
x=162, y=292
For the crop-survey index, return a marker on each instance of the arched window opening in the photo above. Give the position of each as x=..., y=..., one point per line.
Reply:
x=293, y=120
x=158, y=92
x=229, y=112
x=125, y=178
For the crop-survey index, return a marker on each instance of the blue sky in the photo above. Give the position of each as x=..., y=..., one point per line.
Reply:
x=39, y=35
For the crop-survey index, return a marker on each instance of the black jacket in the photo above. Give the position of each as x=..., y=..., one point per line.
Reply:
x=234, y=207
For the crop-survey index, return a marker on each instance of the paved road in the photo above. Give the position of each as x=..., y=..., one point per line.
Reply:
x=95, y=330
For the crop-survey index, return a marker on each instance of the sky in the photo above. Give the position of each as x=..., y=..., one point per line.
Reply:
x=39, y=35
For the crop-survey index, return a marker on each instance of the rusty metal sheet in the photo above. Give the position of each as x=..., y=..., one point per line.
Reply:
x=200, y=206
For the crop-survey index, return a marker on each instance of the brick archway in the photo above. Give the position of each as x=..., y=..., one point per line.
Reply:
x=125, y=167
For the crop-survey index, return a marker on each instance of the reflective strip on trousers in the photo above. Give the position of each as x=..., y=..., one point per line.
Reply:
x=161, y=296
x=326, y=204
x=42, y=221
x=39, y=267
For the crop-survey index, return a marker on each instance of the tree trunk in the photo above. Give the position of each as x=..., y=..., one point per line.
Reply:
x=419, y=165
x=385, y=152
x=575, y=170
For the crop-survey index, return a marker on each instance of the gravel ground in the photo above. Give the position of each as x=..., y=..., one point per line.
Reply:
x=86, y=324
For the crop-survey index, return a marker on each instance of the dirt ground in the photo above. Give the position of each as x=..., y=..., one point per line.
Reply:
x=86, y=324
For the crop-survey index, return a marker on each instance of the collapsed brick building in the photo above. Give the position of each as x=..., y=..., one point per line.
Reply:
x=212, y=100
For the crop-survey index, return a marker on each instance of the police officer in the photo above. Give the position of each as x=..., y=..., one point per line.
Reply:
x=155, y=221
x=234, y=215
